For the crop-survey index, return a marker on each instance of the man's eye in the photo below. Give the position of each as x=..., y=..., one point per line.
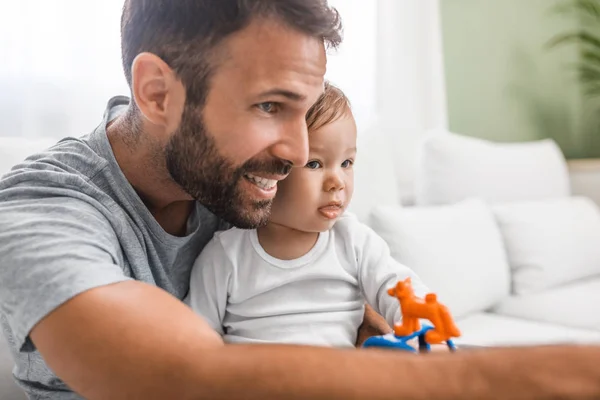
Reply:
x=313, y=165
x=347, y=164
x=268, y=107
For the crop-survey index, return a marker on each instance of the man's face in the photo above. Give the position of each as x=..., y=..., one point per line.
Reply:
x=230, y=153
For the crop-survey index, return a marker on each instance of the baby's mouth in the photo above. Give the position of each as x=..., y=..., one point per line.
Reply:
x=332, y=210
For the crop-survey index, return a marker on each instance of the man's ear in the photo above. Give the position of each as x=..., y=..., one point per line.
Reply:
x=152, y=86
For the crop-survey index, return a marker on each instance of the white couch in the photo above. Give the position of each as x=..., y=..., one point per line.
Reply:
x=496, y=231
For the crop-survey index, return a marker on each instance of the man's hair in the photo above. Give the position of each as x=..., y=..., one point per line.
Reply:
x=331, y=105
x=184, y=33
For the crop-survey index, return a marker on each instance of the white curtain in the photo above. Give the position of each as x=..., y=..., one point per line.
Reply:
x=353, y=67
x=402, y=77
x=60, y=65
x=412, y=94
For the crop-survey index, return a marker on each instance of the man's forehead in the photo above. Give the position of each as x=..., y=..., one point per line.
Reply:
x=265, y=48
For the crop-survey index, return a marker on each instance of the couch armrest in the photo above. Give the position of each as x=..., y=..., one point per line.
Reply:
x=585, y=178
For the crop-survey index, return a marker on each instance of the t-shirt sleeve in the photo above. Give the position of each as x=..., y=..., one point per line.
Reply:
x=209, y=284
x=378, y=270
x=51, y=249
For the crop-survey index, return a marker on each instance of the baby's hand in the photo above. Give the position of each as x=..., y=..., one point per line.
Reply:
x=373, y=325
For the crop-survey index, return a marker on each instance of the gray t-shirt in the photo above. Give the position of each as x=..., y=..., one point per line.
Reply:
x=69, y=222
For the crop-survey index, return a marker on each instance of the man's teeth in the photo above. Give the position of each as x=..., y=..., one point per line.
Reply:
x=262, y=183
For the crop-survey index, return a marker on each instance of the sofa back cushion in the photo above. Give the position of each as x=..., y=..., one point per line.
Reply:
x=452, y=168
x=551, y=242
x=456, y=249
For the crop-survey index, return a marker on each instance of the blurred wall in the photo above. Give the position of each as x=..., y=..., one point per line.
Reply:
x=504, y=84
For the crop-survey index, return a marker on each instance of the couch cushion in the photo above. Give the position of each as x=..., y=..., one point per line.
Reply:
x=457, y=250
x=551, y=242
x=13, y=150
x=575, y=305
x=452, y=168
x=486, y=329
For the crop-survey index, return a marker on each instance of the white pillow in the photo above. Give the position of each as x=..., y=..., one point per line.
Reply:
x=452, y=168
x=550, y=242
x=457, y=251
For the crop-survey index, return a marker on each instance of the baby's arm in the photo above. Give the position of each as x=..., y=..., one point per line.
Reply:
x=378, y=271
x=209, y=283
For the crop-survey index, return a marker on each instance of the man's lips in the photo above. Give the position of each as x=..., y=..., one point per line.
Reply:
x=264, y=181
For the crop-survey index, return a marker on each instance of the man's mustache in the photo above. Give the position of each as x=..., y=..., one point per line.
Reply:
x=273, y=166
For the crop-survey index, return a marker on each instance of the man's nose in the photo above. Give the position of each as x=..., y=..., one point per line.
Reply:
x=293, y=144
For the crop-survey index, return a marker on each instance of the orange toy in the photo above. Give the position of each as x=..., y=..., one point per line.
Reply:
x=414, y=308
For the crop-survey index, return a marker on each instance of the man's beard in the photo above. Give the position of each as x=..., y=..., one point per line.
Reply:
x=194, y=163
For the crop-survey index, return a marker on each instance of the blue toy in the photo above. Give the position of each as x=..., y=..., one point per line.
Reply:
x=392, y=341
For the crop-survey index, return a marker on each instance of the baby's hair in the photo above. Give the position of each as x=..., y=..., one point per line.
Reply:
x=330, y=106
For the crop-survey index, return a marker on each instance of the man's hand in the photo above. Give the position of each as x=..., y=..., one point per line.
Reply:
x=373, y=325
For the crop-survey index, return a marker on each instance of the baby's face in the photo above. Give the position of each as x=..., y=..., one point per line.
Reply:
x=313, y=197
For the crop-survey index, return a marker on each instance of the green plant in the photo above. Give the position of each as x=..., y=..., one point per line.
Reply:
x=587, y=38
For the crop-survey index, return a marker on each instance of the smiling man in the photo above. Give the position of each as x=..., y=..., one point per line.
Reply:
x=98, y=234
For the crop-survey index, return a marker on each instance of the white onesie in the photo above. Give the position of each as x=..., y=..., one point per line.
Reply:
x=318, y=299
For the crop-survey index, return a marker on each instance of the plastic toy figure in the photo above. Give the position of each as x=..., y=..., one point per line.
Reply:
x=413, y=309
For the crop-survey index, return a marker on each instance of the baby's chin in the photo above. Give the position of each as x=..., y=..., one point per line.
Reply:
x=306, y=222
x=317, y=225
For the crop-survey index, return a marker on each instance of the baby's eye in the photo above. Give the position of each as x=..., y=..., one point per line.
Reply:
x=347, y=164
x=313, y=165
x=269, y=107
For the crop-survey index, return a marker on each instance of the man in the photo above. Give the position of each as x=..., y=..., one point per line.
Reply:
x=97, y=236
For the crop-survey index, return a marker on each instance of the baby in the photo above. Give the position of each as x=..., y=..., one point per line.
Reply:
x=305, y=276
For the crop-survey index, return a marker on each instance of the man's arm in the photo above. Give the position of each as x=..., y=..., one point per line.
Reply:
x=131, y=340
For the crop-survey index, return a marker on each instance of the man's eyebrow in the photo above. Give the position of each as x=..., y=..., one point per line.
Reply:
x=284, y=93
